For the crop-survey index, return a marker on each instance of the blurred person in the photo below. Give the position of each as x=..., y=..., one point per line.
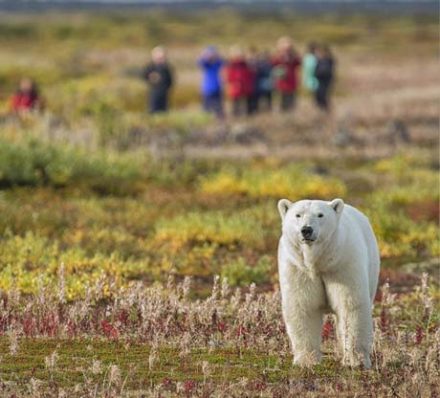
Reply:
x=27, y=97
x=261, y=67
x=159, y=76
x=263, y=81
x=310, y=82
x=240, y=80
x=211, y=64
x=252, y=99
x=324, y=74
x=285, y=72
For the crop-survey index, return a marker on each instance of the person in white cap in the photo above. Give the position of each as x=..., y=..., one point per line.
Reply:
x=159, y=77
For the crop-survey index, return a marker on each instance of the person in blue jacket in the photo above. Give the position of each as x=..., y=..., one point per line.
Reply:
x=211, y=64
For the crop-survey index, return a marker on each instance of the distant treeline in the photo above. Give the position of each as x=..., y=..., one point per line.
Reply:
x=387, y=7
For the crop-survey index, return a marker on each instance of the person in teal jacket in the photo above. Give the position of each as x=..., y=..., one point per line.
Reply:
x=310, y=82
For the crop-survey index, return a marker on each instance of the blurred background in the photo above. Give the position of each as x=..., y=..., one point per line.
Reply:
x=92, y=179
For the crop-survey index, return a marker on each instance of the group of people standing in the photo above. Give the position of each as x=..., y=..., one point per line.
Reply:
x=250, y=80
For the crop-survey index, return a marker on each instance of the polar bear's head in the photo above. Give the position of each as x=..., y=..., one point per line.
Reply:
x=310, y=221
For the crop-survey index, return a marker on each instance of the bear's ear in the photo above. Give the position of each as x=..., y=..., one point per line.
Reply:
x=283, y=206
x=337, y=205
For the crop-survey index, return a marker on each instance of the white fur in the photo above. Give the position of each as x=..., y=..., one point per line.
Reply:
x=337, y=272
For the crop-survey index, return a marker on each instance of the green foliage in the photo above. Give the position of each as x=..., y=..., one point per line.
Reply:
x=409, y=185
x=239, y=273
x=33, y=162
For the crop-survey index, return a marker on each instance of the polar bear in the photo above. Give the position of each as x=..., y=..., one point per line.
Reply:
x=328, y=261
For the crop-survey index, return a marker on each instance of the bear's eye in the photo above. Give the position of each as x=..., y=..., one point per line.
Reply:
x=320, y=215
x=298, y=215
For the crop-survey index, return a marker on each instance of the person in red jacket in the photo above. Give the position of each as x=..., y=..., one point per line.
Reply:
x=26, y=98
x=240, y=82
x=285, y=72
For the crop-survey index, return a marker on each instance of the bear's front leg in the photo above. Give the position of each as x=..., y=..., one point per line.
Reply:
x=304, y=330
x=349, y=298
x=355, y=329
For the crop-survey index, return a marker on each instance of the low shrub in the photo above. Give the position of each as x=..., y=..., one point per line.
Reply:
x=240, y=273
x=33, y=162
x=292, y=182
x=210, y=227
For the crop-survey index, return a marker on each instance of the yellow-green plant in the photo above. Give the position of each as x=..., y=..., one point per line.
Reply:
x=289, y=182
x=210, y=227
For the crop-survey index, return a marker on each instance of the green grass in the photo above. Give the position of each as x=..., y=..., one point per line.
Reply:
x=133, y=359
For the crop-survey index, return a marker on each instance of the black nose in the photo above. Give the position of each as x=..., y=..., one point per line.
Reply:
x=306, y=232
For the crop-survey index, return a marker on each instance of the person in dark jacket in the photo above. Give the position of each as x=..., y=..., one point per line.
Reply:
x=26, y=98
x=211, y=64
x=159, y=77
x=252, y=98
x=240, y=80
x=263, y=81
x=285, y=72
x=324, y=73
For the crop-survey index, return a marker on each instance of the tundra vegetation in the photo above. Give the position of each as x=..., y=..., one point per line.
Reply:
x=138, y=253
